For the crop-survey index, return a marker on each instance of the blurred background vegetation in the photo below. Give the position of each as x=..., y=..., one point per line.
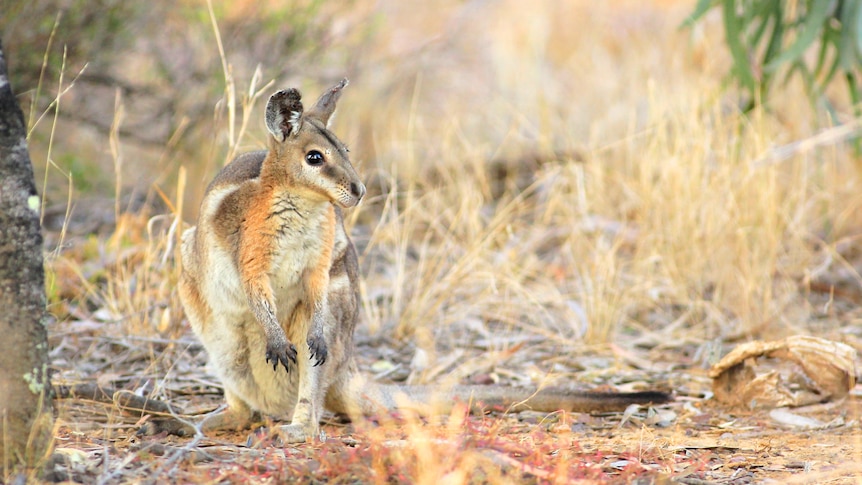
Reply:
x=152, y=70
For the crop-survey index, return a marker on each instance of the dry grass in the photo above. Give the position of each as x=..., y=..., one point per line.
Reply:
x=547, y=203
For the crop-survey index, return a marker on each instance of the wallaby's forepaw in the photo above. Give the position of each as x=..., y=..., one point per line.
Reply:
x=280, y=353
x=319, y=350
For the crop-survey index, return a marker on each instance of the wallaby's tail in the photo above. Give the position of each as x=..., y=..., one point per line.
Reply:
x=513, y=399
x=373, y=398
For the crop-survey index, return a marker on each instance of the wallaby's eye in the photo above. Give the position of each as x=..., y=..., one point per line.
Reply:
x=314, y=158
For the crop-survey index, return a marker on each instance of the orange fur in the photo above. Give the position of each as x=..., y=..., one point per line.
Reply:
x=317, y=280
x=194, y=301
x=257, y=238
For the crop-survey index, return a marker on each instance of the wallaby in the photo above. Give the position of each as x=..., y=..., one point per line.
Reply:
x=270, y=285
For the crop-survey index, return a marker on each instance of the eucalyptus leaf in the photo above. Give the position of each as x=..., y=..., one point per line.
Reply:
x=849, y=35
x=773, y=49
x=858, y=25
x=828, y=38
x=812, y=26
x=733, y=28
x=773, y=38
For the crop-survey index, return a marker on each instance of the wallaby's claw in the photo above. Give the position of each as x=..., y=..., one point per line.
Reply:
x=262, y=437
x=282, y=355
x=319, y=350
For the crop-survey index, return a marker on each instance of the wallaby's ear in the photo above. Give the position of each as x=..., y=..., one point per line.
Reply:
x=284, y=113
x=325, y=106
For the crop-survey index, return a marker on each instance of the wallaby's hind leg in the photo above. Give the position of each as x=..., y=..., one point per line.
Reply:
x=236, y=416
x=309, y=405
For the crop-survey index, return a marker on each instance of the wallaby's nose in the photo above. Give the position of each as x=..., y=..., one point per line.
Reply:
x=358, y=190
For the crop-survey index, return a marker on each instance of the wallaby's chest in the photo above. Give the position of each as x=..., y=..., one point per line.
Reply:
x=298, y=244
x=294, y=255
x=279, y=235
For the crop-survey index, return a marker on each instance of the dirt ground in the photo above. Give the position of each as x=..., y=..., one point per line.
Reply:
x=714, y=446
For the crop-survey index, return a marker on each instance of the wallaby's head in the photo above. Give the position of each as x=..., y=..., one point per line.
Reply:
x=307, y=153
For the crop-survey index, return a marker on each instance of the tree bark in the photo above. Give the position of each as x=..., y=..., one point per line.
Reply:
x=25, y=389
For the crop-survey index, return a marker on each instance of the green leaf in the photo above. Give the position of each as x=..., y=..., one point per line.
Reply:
x=854, y=89
x=849, y=35
x=836, y=62
x=829, y=37
x=812, y=25
x=733, y=28
x=774, y=47
x=858, y=22
x=765, y=17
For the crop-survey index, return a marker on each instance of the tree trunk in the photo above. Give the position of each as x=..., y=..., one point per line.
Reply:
x=25, y=389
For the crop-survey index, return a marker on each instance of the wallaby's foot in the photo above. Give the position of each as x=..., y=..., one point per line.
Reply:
x=298, y=433
x=319, y=350
x=280, y=351
x=262, y=437
x=234, y=417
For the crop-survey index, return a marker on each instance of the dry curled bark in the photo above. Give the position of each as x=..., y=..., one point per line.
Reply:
x=25, y=390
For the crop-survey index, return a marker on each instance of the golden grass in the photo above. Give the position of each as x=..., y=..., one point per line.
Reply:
x=667, y=210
